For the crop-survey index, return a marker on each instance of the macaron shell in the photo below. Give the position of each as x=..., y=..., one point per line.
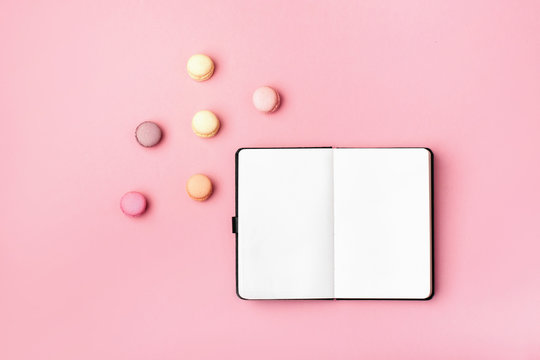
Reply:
x=205, y=124
x=199, y=187
x=148, y=134
x=133, y=203
x=200, y=67
x=266, y=99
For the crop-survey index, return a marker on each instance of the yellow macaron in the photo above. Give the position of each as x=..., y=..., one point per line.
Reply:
x=200, y=67
x=205, y=124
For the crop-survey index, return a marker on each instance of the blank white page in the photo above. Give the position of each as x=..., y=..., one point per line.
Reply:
x=285, y=223
x=382, y=223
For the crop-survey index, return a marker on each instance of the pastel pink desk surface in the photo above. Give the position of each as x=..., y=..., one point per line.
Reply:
x=80, y=280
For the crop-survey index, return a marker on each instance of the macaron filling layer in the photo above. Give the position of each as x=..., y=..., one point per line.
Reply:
x=202, y=77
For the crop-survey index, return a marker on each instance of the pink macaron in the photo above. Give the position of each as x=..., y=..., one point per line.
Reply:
x=133, y=203
x=266, y=99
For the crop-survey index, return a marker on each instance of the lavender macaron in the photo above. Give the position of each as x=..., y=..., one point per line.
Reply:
x=148, y=134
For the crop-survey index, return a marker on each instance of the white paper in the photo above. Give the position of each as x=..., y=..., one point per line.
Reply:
x=382, y=223
x=285, y=224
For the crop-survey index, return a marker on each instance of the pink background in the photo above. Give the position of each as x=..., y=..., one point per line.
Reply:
x=79, y=280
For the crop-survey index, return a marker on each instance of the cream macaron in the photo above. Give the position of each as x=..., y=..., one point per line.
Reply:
x=199, y=187
x=200, y=67
x=205, y=124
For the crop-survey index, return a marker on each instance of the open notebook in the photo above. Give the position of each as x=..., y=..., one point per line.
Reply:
x=334, y=223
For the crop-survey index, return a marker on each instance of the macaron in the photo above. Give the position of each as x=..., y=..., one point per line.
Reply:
x=133, y=203
x=266, y=99
x=199, y=187
x=148, y=134
x=205, y=124
x=200, y=67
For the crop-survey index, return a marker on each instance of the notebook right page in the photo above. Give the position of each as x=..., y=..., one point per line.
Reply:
x=382, y=223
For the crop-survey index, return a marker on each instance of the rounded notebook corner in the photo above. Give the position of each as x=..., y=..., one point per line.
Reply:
x=429, y=295
x=238, y=151
x=429, y=151
x=240, y=296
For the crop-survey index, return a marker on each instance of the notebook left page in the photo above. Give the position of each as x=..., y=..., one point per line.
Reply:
x=285, y=223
